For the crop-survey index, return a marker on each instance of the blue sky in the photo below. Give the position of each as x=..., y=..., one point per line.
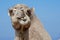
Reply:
x=48, y=12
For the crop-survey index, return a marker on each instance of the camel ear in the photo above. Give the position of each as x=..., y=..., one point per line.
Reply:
x=32, y=10
x=10, y=12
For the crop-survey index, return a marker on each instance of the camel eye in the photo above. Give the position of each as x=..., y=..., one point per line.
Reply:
x=16, y=12
x=18, y=18
x=21, y=8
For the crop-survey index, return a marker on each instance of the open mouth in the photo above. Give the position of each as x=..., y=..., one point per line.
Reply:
x=23, y=22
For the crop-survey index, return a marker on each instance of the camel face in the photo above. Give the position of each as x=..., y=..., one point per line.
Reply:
x=20, y=16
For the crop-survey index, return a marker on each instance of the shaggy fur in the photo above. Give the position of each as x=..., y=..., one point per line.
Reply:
x=27, y=26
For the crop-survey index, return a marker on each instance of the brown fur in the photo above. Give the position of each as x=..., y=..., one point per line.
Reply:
x=33, y=30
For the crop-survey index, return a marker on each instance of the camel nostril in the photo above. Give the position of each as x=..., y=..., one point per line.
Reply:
x=24, y=19
x=18, y=18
